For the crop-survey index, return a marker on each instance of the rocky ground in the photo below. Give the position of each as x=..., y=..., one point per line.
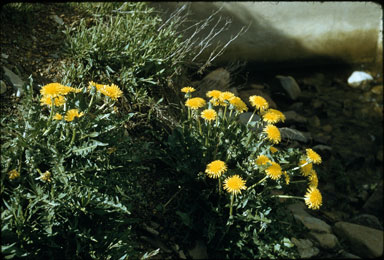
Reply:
x=342, y=123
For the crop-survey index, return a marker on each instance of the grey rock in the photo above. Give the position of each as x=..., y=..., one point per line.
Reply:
x=57, y=19
x=216, y=80
x=313, y=224
x=292, y=116
x=4, y=56
x=305, y=248
x=325, y=240
x=367, y=220
x=3, y=87
x=16, y=81
x=374, y=204
x=363, y=241
x=199, y=251
x=290, y=85
x=359, y=79
x=298, y=208
x=292, y=134
x=244, y=118
x=321, y=147
x=348, y=255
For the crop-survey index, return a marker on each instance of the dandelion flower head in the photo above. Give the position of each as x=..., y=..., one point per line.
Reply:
x=112, y=91
x=273, y=133
x=57, y=116
x=259, y=102
x=313, y=198
x=313, y=180
x=195, y=103
x=273, y=116
x=209, y=114
x=188, y=89
x=234, y=184
x=274, y=171
x=72, y=114
x=13, y=174
x=225, y=96
x=52, y=90
x=313, y=156
x=239, y=104
x=306, y=169
x=57, y=101
x=216, y=168
x=214, y=94
x=262, y=160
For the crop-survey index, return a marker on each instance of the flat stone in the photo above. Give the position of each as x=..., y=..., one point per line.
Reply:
x=16, y=81
x=290, y=85
x=325, y=240
x=313, y=224
x=292, y=134
x=363, y=241
x=305, y=248
x=294, y=117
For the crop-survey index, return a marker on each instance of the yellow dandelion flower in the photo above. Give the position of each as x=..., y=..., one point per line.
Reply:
x=313, y=198
x=273, y=149
x=259, y=102
x=225, y=96
x=71, y=114
x=313, y=180
x=57, y=101
x=274, y=171
x=52, y=90
x=195, y=103
x=216, y=168
x=214, y=94
x=209, y=114
x=188, y=89
x=262, y=160
x=13, y=174
x=239, y=104
x=273, y=133
x=234, y=184
x=57, y=116
x=305, y=170
x=313, y=156
x=112, y=91
x=273, y=116
x=46, y=176
x=71, y=89
x=287, y=179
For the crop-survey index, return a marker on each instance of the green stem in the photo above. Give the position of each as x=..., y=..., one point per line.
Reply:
x=230, y=208
x=257, y=183
x=294, y=169
x=250, y=119
x=225, y=112
x=73, y=137
x=52, y=109
x=219, y=186
x=198, y=121
x=287, y=197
